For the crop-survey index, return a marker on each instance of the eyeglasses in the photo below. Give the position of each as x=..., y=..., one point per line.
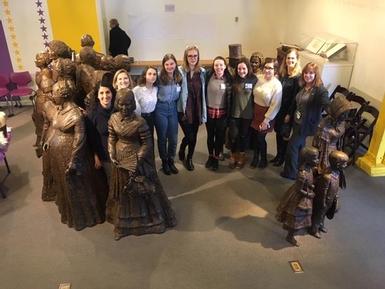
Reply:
x=268, y=67
x=192, y=56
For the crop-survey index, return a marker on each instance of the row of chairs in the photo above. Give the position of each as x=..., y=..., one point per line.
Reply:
x=359, y=125
x=14, y=87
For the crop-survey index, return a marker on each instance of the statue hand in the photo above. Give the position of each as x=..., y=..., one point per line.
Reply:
x=311, y=195
x=114, y=162
x=45, y=147
x=71, y=169
x=303, y=193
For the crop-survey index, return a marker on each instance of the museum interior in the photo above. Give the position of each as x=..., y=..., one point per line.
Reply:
x=223, y=229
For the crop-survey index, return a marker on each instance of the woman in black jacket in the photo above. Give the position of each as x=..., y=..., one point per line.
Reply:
x=100, y=110
x=306, y=112
x=289, y=76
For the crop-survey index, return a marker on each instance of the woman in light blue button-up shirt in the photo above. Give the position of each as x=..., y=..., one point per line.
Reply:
x=166, y=116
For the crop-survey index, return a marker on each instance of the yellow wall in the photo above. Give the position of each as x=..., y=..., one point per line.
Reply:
x=70, y=19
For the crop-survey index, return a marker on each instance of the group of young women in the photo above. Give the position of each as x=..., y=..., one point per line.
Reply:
x=238, y=108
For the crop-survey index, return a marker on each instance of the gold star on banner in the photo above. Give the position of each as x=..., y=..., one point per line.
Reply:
x=11, y=28
x=7, y=12
x=5, y=3
x=13, y=36
x=20, y=67
x=9, y=20
x=17, y=52
x=18, y=59
x=14, y=43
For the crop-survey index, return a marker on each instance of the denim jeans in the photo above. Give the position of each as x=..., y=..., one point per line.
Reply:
x=166, y=125
x=296, y=143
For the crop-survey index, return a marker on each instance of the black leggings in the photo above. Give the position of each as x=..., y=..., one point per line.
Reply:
x=238, y=133
x=259, y=140
x=189, y=140
x=216, y=129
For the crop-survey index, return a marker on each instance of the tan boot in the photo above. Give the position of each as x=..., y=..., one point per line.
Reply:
x=241, y=160
x=233, y=160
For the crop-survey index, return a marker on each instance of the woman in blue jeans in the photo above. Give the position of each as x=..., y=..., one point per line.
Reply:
x=306, y=113
x=166, y=115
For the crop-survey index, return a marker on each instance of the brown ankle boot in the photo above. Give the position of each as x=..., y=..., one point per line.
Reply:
x=241, y=160
x=233, y=160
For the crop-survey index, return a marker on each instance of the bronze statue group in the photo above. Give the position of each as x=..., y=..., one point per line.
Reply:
x=95, y=133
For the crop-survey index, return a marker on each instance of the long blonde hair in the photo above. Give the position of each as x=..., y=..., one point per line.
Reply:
x=116, y=78
x=283, y=68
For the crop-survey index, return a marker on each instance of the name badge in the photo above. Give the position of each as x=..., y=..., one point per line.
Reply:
x=298, y=114
x=223, y=86
x=248, y=85
x=178, y=88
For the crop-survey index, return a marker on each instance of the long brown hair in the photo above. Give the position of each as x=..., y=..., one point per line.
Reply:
x=312, y=67
x=163, y=77
x=245, y=61
x=142, y=77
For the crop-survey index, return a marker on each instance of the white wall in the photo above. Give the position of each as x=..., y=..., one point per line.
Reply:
x=362, y=21
x=209, y=24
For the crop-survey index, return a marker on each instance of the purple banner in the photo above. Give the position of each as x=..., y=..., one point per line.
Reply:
x=5, y=59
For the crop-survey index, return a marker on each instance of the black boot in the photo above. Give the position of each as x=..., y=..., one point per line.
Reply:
x=255, y=161
x=263, y=161
x=189, y=164
x=172, y=166
x=166, y=167
x=215, y=164
x=281, y=154
x=275, y=159
x=209, y=162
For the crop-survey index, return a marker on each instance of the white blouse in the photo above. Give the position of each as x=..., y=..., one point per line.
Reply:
x=145, y=98
x=268, y=93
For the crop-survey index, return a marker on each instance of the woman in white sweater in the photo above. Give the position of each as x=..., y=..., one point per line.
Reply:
x=267, y=102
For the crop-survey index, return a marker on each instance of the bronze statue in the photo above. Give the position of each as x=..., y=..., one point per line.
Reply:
x=295, y=208
x=87, y=40
x=80, y=189
x=256, y=61
x=137, y=203
x=326, y=192
x=44, y=82
x=63, y=68
x=42, y=117
x=122, y=61
x=107, y=63
x=89, y=72
x=57, y=48
x=331, y=130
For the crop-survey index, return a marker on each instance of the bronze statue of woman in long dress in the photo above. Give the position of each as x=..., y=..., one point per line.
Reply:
x=295, y=208
x=326, y=191
x=80, y=190
x=137, y=203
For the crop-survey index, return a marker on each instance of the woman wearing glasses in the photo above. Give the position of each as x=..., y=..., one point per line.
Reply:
x=191, y=104
x=267, y=101
x=306, y=112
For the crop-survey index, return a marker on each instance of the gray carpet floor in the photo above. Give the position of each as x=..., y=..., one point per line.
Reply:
x=227, y=236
